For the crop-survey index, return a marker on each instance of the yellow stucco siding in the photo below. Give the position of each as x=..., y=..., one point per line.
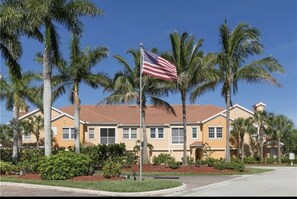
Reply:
x=66, y=122
x=238, y=112
x=217, y=122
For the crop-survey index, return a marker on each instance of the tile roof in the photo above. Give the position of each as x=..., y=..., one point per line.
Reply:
x=129, y=114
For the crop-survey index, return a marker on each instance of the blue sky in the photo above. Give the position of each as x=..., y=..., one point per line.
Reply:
x=127, y=23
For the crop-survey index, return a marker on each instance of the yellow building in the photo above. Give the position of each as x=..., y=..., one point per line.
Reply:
x=107, y=124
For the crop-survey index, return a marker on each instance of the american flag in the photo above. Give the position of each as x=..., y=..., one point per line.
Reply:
x=158, y=67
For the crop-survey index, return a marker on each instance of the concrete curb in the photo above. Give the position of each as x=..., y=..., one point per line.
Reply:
x=105, y=193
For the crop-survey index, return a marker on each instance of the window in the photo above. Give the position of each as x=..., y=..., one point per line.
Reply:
x=107, y=135
x=215, y=132
x=194, y=133
x=27, y=136
x=54, y=130
x=129, y=133
x=91, y=133
x=68, y=134
x=177, y=135
x=156, y=133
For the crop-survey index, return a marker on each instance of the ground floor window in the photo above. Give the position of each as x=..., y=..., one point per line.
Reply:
x=107, y=135
x=68, y=134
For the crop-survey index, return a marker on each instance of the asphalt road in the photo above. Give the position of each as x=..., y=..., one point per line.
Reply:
x=280, y=182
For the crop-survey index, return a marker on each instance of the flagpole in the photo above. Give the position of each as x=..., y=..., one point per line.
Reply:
x=140, y=110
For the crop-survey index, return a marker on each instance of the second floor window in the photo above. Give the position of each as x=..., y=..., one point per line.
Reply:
x=107, y=135
x=215, y=132
x=68, y=134
x=157, y=133
x=177, y=136
x=194, y=133
x=91, y=133
x=129, y=133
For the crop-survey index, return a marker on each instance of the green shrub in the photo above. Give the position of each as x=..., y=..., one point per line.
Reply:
x=198, y=163
x=129, y=159
x=219, y=165
x=6, y=155
x=236, y=165
x=249, y=160
x=112, y=169
x=190, y=160
x=210, y=161
x=7, y=167
x=270, y=160
x=162, y=159
x=64, y=165
x=173, y=164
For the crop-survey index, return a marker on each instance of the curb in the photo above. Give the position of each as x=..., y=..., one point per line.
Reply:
x=105, y=193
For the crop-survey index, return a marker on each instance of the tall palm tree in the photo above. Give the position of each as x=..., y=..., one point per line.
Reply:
x=237, y=47
x=126, y=89
x=189, y=61
x=278, y=126
x=46, y=14
x=14, y=92
x=260, y=118
x=12, y=26
x=241, y=126
x=77, y=71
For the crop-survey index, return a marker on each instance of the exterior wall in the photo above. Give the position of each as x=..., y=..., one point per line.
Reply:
x=66, y=122
x=238, y=112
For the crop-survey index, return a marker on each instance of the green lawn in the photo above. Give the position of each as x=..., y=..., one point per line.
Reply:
x=113, y=186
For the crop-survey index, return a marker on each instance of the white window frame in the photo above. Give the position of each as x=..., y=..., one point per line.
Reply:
x=215, y=132
x=89, y=133
x=157, y=132
x=193, y=133
x=69, y=133
x=54, y=130
x=182, y=135
x=108, y=137
x=130, y=133
x=27, y=137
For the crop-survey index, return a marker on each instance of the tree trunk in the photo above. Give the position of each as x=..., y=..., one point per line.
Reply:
x=15, y=129
x=47, y=98
x=183, y=98
x=227, y=157
x=242, y=148
x=279, y=150
x=261, y=144
x=37, y=141
x=76, y=119
x=145, y=158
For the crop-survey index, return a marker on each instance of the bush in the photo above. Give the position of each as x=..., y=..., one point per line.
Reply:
x=64, y=165
x=7, y=167
x=112, y=169
x=210, y=161
x=129, y=159
x=236, y=165
x=249, y=160
x=190, y=160
x=6, y=155
x=162, y=159
x=270, y=160
x=173, y=164
x=219, y=165
x=198, y=163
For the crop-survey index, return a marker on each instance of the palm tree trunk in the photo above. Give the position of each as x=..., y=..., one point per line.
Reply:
x=227, y=158
x=238, y=147
x=279, y=150
x=47, y=98
x=261, y=144
x=37, y=141
x=145, y=158
x=76, y=119
x=242, y=148
x=15, y=148
x=183, y=98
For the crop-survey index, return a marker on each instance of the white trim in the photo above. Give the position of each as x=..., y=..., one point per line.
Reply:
x=214, y=116
x=130, y=133
x=215, y=133
x=260, y=103
x=36, y=110
x=65, y=114
x=241, y=107
x=157, y=133
x=89, y=133
x=69, y=132
x=196, y=132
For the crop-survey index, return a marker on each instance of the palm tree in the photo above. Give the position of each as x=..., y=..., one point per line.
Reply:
x=5, y=135
x=37, y=124
x=260, y=118
x=12, y=26
x=236, y=48
x=126, y=89
x=189, y=62
x=241, y=126
x=78, y=70
x=15, y=92
x=278, y=126
x=44, y=14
